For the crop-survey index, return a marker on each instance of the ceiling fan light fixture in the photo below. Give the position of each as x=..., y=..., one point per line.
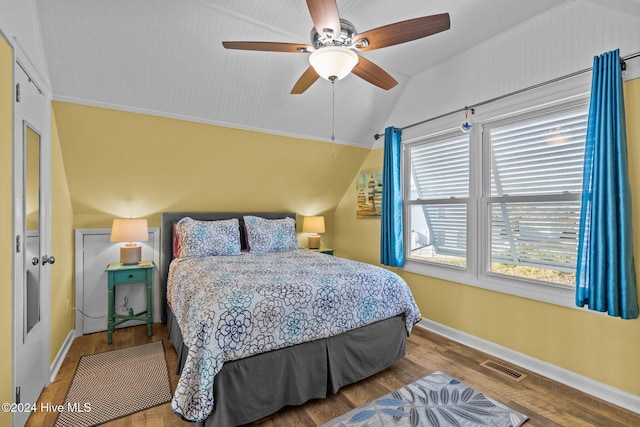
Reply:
x=333, y=62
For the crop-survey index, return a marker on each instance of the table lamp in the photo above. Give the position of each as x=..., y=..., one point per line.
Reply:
x=313, y=225
x=129, y=230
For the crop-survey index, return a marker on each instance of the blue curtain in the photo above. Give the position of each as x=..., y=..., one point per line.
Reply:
x=391, y=251
x=606, y=278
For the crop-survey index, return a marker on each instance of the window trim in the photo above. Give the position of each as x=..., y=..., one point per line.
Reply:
x=549, y=293
x=476, y=273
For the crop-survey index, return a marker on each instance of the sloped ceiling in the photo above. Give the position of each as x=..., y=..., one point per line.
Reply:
x=165, y=57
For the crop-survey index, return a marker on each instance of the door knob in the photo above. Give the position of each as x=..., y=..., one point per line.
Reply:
x=48, y=259
x=35, y=260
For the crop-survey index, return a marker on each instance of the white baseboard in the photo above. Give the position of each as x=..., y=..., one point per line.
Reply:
x=62, y=353
x=587, y=385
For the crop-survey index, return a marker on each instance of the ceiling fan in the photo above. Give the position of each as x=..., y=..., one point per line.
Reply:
x=335, y=41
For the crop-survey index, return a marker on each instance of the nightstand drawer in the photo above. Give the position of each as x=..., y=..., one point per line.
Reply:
x=131, y=276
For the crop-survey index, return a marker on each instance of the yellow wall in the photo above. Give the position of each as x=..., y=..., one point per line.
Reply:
x=594, y=345
x=358, y=238
x=6, y=224
x=62, y=241
x=122, y=164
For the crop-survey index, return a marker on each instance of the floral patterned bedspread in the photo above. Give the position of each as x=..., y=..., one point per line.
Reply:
x=230, y=307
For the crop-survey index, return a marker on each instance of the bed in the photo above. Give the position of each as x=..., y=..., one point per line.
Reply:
x=289, y=365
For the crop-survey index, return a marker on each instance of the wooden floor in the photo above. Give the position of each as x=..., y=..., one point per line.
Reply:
x=546, y=402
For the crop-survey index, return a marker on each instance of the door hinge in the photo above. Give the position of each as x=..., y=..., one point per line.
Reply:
x=17, y=394
x=18, y=244
x=18, y=92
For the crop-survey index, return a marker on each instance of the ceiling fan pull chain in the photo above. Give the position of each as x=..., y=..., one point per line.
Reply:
x=333, y=109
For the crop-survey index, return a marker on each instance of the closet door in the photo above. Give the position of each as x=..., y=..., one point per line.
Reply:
x=31, y=229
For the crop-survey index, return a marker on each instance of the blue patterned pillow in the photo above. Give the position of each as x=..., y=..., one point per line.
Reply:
x=270, y=235
x=207, y=238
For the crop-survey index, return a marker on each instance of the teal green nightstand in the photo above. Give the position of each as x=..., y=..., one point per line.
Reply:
x=120, y=274
x=323, y=251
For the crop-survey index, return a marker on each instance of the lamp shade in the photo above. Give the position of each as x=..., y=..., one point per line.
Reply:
x=333, y=62
x=129, y=230
x=313, y=224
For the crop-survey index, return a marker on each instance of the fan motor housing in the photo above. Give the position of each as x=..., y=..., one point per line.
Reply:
x=345, y=38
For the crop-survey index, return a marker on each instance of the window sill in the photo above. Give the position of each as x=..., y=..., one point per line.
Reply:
x=558, y=295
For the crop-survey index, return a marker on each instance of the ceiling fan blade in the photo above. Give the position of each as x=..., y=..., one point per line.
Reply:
x=269, y=46
x=307, y=78
x=324, y=14
x=401, y=32
x=375, y=75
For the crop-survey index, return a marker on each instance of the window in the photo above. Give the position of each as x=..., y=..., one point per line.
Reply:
x=439, y=199
x=507, y=210
x=535, y=168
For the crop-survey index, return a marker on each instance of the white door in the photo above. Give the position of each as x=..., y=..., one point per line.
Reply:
x=31, y=256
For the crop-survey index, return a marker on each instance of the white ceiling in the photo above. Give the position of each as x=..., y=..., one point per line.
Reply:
x=165, y=57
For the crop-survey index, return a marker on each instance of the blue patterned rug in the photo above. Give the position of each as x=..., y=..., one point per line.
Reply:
x=435, y=400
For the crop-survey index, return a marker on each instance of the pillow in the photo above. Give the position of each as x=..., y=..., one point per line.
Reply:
x=207, y=238
x=270, y=235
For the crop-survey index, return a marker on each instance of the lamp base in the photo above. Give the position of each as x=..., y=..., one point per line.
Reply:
x=130, y=254
x=314, y=242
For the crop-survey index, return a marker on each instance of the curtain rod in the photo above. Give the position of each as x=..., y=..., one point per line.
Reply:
x=517, y=92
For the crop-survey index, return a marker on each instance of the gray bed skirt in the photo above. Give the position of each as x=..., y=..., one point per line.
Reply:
x=249, y=389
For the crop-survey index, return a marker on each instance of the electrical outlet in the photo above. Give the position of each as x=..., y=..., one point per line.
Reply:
x=68, y=305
